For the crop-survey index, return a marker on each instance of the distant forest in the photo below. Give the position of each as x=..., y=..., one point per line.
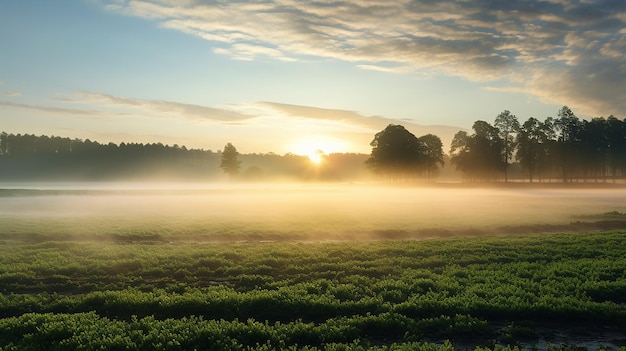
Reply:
x=563, y=149
x=30, y=157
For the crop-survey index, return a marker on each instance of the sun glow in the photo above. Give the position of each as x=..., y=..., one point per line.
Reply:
x=317, y=157
x=317, y=147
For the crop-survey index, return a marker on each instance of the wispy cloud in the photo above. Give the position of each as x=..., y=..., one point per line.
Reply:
x=563, y=51
x=157, y=108
x=70, y=111
x=276, y=117
x=366, y=124
x=12, y=94
x=386, y=69
x=355, y=119
x=247, y=52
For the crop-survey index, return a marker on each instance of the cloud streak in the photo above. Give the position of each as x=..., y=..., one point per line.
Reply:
x=69, y=111
x=366, y=124
x=279, y=117
x=158, y=108
x=565, y=52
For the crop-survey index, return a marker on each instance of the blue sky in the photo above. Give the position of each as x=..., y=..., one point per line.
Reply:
x=291, y=76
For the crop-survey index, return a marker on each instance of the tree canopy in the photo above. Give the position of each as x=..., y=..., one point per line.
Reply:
x=564, y=147
x=508, y=126
x=230, y=163
x=479, y=155
x=399, y=154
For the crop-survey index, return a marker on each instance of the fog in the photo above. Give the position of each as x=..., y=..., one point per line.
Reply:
x=296, y=211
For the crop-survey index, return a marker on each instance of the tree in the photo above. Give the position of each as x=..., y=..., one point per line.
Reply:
x=508, y=126
x=3, y=143
x=616, y=130
x=432, y=149
x=395, y=152
x=460, y=152
x=594, y=148
x=567, y=126
x=478, y=155
x=230, y=160
x=532, y=146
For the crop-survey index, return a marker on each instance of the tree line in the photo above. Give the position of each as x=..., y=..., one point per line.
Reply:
x=31, y=157
x=564, y=148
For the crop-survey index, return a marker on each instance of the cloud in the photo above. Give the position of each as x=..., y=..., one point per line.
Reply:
x=537, y=45
x=158, y=108
x=323, y=114
x=12, y=94
x=247, y=52
x=364, y=124
x=70, y=111
x=386, y=69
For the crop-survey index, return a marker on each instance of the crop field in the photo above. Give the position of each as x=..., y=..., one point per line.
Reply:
x=312, y=268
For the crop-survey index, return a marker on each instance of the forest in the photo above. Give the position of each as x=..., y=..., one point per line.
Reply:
x=564, y=148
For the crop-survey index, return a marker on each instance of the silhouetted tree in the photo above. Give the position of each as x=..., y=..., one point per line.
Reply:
x=3, y=143
x=616, y=134
x=508, y=126
x=230, y=163
x=478, y=156
x=567, y=126
x=532, y=146
x=432, y=150
x=593, y=150
x=460, y=153
x=395, y=152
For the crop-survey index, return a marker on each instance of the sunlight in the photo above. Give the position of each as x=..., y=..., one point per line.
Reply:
x=317, y=157
x=317, y=147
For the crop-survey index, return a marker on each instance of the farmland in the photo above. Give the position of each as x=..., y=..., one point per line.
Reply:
x=80, y=270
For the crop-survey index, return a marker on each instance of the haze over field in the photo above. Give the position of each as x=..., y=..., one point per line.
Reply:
x=298, y=211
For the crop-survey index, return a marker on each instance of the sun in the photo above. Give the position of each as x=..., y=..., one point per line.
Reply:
x=317, y=147
x=316, y=157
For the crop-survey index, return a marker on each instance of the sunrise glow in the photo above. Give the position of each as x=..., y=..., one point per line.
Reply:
x=317, y=147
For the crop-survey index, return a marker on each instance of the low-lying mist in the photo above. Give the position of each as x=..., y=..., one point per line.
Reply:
x=291, y=211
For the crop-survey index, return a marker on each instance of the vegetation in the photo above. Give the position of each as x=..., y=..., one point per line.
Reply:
x=379, y=295
x=508, y=126
x=564, y=148
x=29, y=157
x=398, y=154
x=230, y=163
x=479, y=155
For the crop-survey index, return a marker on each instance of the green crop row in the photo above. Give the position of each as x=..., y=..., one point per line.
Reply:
x=339, y=295
x=88, y=331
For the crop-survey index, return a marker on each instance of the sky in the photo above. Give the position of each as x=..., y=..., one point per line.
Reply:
x=297, y=76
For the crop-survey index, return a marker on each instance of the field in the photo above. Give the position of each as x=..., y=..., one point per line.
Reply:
x=312, y=267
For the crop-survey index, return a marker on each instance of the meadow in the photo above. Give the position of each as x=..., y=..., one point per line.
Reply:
x=311, y=267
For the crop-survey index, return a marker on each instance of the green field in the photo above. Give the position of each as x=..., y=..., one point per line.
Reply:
x=154, y=279
x=480, y=291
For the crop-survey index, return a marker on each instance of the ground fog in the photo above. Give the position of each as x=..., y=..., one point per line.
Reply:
x=297, y=211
